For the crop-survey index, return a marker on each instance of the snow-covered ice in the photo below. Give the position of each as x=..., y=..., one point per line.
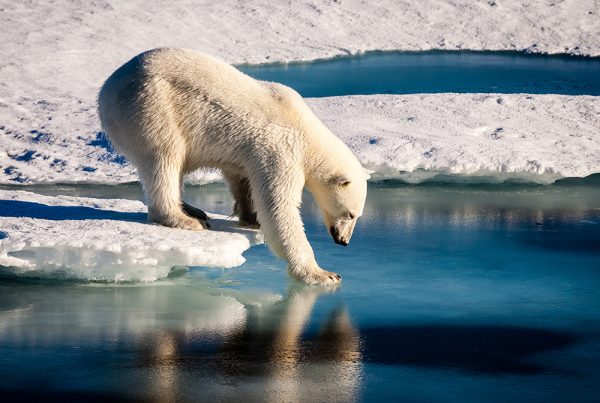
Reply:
x=70, y=47
x=106, y=240
x=538, y=138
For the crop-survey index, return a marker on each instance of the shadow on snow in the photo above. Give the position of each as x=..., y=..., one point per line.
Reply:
x=16, y=208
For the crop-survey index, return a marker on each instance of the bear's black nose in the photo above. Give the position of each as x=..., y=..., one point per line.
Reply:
x=335, y=234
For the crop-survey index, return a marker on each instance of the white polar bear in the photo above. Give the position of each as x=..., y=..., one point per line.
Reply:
x=172, y=111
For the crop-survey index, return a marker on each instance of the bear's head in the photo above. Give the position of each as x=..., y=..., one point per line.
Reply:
x=341, y=198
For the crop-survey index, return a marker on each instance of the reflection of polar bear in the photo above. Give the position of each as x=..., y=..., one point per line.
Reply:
x=172, y=111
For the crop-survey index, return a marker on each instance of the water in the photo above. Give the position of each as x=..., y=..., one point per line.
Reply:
x=438, y=71
x=450, y=293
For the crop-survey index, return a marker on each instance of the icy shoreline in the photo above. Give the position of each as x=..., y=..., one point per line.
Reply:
x=106, y=240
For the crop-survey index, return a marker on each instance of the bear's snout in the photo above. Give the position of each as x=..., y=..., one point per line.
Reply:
x=335, y=234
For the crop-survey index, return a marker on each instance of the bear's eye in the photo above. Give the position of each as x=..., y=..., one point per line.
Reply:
x=351, y=216
x=340, y=180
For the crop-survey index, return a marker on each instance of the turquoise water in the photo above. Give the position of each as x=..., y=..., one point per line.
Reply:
x=450, y=293
x=437, y=71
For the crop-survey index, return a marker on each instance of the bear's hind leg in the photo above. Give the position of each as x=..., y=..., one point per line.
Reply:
x=162, y=185
x=242, y=194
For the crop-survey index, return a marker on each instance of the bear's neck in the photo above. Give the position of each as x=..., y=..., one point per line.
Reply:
x=324, y=156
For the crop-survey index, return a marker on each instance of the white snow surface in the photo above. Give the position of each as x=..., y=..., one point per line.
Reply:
x=106, y=240
x=493, y=137
x=55, y=55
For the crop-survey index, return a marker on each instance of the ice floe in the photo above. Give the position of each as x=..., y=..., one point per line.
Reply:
x=106, y=240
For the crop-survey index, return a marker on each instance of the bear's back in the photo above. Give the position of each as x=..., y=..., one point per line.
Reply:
x=196, y=75
x=206, y=98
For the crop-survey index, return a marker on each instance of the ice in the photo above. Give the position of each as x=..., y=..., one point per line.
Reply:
x=54, y=57
x=490, y=137
x=106, y=240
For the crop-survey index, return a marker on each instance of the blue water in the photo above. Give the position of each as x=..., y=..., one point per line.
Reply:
x=450, y=293
x=458, y=292
x=437, y=71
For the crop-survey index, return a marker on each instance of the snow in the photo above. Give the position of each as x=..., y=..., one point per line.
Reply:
x=533, y=138
x=55, y=55
x=106, y=240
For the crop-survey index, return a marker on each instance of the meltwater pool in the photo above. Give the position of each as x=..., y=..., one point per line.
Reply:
x=450, y=293
x=437, y=71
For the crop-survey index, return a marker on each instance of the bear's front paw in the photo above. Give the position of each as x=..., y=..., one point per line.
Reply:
x=317, y=276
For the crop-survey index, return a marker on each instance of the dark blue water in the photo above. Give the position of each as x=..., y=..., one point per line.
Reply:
x=433, y=72
x=450, y=293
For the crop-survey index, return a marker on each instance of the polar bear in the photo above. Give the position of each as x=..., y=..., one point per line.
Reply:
x=172, y=111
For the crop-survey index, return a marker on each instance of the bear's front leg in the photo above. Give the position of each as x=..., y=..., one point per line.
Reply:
x=277, y=195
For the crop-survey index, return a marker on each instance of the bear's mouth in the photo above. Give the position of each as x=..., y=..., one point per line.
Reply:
x=335, y=234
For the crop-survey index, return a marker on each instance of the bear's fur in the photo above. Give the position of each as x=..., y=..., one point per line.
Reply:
x=172, y=111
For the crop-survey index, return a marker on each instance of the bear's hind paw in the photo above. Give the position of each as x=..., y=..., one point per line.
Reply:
x=184, y=222
x=194, y=211
x=251, y=225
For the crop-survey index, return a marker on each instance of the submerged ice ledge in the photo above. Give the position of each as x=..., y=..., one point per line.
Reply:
x=479, y=177
x=106, y=240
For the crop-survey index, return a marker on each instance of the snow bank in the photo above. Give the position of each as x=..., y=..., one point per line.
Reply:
x=106, y=240
x=537, y=138
x=50, y=42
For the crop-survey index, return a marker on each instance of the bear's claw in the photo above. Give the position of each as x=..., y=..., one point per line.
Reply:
x=246, y=224
x=182, y=221
x=318, y=276
x=194, y=212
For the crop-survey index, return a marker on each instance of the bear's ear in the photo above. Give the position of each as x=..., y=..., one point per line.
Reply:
x=340, y=180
